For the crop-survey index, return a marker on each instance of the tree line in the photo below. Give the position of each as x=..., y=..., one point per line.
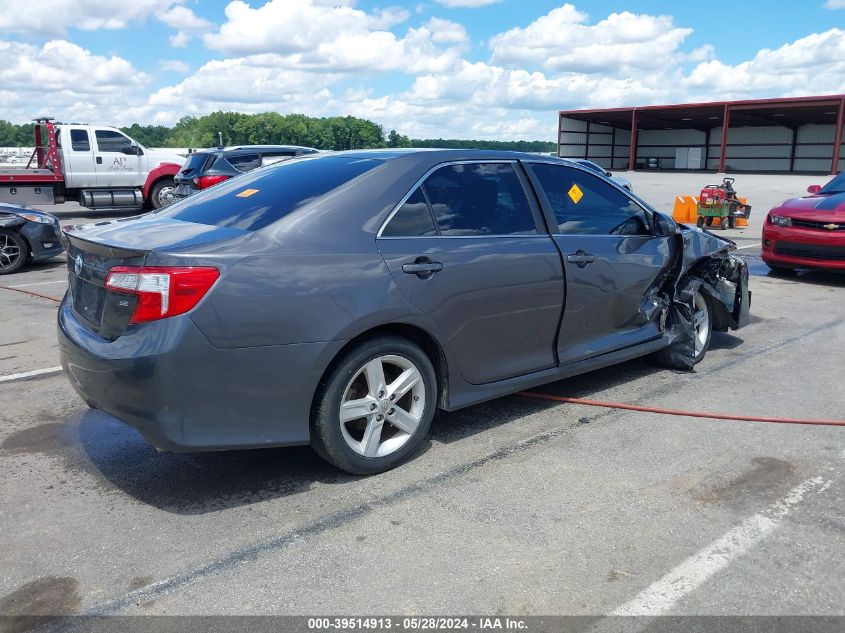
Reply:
x=272, y=128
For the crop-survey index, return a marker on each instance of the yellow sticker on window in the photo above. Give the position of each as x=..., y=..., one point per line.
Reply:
x=246, y=193
x=576, y=194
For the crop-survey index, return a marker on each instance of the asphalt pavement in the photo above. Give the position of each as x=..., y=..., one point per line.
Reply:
x=516, y=506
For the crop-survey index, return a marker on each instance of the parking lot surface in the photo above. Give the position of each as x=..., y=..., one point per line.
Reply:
x=517, y=506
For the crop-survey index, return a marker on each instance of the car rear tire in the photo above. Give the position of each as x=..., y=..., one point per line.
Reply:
x=700, y=222
x=163, y=193
x=375, y=407
x=677, y=355
x=14, y=251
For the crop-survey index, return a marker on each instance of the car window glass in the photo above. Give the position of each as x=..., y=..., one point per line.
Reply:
x=837, y=185
x=244, y=162
x=111, y=141
x=413, y=219
x=587, y=205
x=254, y=200
x=79, y=141
x=479, y=199
x=269, y=159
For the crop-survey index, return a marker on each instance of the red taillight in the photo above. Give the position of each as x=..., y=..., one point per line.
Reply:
x=204, y=182
x=162, y=291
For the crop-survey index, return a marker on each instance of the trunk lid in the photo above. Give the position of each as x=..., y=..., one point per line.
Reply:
x=94, y=249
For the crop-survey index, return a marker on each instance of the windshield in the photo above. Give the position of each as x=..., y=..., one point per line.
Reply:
x=837, y=185
x=260, y=197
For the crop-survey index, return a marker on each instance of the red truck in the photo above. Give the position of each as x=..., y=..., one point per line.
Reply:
x=97, y=166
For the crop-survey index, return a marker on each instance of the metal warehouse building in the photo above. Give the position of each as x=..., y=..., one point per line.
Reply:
x=793, y=135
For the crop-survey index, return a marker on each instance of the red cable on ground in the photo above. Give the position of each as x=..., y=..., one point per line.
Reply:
x=610, y=405
x=29, y=292
x=689, y=414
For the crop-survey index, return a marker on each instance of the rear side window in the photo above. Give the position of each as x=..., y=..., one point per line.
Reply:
x=244, y=162
x=584, y=204
x=413, y=219
x=270, y=159
x=479, y=199
x=79, y=141
x=254, y=200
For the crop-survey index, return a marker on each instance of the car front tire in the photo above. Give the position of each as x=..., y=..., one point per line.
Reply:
x=14, y=251
x=685, y=354
x=375, y=407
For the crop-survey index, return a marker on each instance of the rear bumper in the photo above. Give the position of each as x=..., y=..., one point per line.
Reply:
x=183, y=394
x=804, y=248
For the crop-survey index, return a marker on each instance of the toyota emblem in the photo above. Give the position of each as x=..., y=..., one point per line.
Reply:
x=77, y=265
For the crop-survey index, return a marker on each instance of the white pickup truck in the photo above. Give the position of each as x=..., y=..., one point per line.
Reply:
x=97, y=166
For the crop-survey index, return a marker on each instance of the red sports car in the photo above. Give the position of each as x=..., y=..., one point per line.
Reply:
x=808, y=232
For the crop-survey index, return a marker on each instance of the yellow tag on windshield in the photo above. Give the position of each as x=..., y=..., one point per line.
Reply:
x=576, y=194
x=246, y=193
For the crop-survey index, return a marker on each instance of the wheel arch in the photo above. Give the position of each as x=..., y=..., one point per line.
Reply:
x=161, y=172
x=424, y=339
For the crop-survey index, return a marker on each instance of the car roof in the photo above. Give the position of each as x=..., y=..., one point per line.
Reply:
x=442, y=155
x=246, y=149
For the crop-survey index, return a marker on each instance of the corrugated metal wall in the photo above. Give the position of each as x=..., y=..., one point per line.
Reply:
x=763, y=149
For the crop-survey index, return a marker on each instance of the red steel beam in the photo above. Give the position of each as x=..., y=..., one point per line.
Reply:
x=837, y=138
x=726, y=123
x=632, y=153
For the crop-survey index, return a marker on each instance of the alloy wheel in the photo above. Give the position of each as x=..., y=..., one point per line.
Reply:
x=382, y=406
x=700, y=322
x=10, y=252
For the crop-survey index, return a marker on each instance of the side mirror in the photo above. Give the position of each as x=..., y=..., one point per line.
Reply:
x=814, y=189
x=664, y=225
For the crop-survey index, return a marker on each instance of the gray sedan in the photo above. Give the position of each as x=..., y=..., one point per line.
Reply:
x=341, y=300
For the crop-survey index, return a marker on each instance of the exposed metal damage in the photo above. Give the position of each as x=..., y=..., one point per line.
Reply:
x=708, y=264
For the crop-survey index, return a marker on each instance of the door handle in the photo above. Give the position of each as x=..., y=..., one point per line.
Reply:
x=99, y=160
x=422, y=268
x=581, y=259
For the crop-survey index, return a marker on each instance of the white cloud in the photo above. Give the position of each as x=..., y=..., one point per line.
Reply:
x=174, y=66
x=316, y=36
x=186, y=22
x=469, y=4
x=53, y=17
x=80, y=85
x=562, y=40
x=835, y=4
x=814, y=64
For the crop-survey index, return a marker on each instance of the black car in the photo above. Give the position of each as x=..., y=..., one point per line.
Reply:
x=27, y=235
x=208, y=167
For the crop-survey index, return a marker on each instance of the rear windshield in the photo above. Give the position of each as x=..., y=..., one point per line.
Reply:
x=258, y=198
x=195, y=161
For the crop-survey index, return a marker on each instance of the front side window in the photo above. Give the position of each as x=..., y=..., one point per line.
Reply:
x=586, y=205
x=413, y=219
x=79, y=141
x=479, y=199
x=111, y=141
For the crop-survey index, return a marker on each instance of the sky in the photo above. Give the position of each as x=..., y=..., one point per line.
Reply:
x=482, y=69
